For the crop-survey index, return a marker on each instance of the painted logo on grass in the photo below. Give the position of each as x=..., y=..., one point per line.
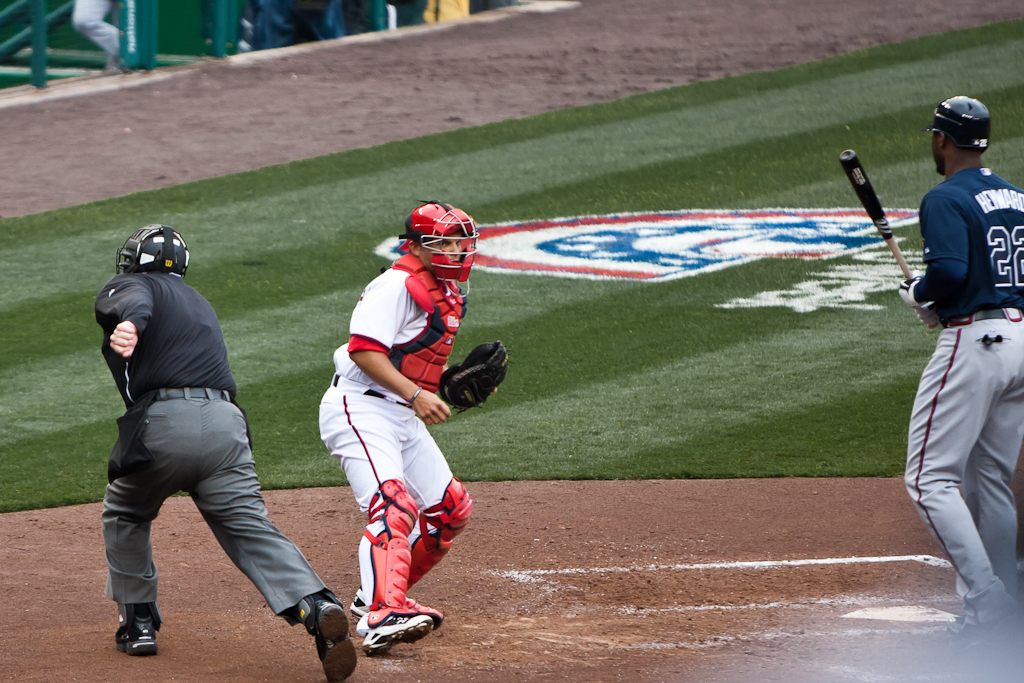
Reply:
x=672, y=244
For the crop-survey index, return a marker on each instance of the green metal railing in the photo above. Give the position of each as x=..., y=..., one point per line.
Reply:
x=137, y=22
x=26, y=28
x=34, y=35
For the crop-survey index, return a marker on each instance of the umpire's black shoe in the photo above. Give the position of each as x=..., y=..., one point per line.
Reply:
x=327, y=622
x=334, y=643
x=137, y=633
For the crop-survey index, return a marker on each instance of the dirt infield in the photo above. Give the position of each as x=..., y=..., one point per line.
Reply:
x=508, y=616
x=216, y=118
x=628, y=605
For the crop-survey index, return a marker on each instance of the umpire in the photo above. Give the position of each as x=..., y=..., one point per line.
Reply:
x=183, y=432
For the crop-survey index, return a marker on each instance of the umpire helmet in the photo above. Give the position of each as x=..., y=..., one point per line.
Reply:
x=432, y=223
x=147, y=251
x=965, y=120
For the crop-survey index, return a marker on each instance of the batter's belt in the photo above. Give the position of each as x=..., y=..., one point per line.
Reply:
x=1011, y=314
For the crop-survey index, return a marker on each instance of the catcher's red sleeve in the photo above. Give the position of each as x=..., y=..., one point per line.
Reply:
x=357, y=343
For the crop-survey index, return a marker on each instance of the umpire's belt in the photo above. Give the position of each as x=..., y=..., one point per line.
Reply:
x=193, y=392
x=1014, y=315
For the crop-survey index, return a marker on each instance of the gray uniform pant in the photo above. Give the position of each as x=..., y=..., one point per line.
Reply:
x=200, y=446
x=965, y=435
x=87, y=18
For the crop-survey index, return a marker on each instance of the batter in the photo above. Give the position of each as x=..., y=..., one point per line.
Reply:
x=968, y=417
x=374, y=416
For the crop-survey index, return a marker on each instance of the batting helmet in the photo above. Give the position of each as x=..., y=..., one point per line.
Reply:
x=147, y=251
x=965, y=120
x=431, y=224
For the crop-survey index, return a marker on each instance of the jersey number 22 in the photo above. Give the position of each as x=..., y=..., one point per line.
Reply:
x=1007, y=255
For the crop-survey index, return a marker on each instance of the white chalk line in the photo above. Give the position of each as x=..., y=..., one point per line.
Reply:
x=531, y=575
x=850, y=601
x=719, y=641
x=873, y=677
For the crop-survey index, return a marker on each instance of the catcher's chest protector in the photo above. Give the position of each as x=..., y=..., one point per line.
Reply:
x=422, y=360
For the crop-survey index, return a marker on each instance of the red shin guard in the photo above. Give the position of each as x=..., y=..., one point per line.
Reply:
x=389, y=552
x=438, y=526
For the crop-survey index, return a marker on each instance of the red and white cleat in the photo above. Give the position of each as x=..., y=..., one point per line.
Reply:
x=383, y=628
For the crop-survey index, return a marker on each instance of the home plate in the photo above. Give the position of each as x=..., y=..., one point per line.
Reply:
x=901, y=613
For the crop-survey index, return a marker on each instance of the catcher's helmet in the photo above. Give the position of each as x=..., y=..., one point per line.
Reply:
x=965, y=120
x=432, y=223
x=147, y=251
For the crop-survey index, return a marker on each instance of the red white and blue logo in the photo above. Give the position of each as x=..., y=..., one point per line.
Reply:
x=671, y=244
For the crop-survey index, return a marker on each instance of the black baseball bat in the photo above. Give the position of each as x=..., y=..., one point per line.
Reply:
x=862, y=186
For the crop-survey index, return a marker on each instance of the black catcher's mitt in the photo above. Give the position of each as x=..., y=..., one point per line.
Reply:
x=468, y=384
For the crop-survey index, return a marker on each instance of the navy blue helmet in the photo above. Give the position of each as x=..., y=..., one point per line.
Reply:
x=965, y=120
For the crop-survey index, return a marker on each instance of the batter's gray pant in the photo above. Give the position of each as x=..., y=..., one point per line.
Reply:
x=87, y=19
x=965, y=435
x=200, y=447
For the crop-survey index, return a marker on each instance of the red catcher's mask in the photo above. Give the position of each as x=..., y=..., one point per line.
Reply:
x=434, y=224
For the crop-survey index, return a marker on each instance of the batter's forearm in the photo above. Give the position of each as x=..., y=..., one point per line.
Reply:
x=377, y=366
x=943, y=277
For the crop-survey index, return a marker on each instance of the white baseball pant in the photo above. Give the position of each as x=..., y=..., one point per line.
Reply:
x=965, y=435
x=87, y=19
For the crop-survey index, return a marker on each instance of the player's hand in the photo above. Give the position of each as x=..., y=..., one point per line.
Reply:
x=431, y=409
x=907, y=292
x=908, y=295
x=928, y=316
x=124, y=338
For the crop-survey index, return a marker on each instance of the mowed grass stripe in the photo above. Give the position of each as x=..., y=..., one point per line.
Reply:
x=53, y=394
x=253, y=227
x=895, y=183
x=768, y=172
x=143, y=207
x=76, y=389
x=680, y=406
x=820, y=440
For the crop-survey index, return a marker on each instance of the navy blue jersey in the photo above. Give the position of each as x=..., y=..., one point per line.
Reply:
x=978, y=218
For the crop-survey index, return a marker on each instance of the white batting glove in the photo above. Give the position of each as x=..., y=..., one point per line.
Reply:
x=907, y=292
x=928, y=316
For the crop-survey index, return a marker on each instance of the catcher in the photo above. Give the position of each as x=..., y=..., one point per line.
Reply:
x=385, y=378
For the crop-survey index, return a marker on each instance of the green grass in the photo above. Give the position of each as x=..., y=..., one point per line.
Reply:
x=609, y=379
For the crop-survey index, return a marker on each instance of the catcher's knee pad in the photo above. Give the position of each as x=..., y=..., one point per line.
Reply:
x=393, y=512
x=438, y=526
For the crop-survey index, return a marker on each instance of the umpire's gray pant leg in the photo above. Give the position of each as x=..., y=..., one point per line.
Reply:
x=130, y=505
x=230, y=501
x=131, y=574
x=200, y=446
